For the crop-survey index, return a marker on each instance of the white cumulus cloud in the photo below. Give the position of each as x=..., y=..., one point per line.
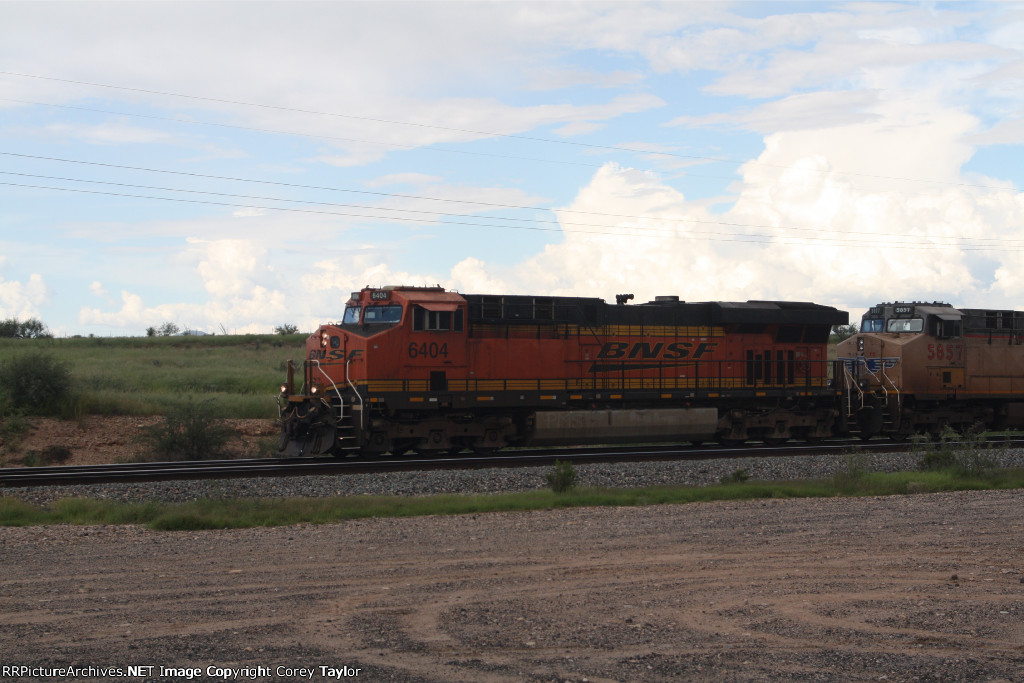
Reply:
x=23, y=299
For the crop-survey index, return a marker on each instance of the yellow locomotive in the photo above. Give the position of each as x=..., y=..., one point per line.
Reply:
x=917, y=367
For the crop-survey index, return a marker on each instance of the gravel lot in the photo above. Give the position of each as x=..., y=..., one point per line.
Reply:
x=904, y=588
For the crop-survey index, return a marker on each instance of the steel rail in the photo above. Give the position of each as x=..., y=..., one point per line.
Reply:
x=282, y=467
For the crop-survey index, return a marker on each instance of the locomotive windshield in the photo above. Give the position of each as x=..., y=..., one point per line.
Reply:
x=872, y=326
x=351, y=315
x=382, y=314
x=905, y=325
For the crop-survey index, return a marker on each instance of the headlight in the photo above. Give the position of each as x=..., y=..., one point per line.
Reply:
x=314, y=390
x=323, y=339
x=284, y=388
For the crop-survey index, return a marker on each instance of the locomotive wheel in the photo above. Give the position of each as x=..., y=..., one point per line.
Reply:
x=458, y=445
x=487, y=444
x=435, y=444
x=804, y=434
x=400, y=447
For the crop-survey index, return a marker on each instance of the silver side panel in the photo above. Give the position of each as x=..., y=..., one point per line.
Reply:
x=556, y=428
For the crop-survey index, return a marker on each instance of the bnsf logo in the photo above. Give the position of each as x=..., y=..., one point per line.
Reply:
x=659, y=350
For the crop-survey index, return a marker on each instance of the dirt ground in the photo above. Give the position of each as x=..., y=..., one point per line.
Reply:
x=98, y=439
x=904, y=588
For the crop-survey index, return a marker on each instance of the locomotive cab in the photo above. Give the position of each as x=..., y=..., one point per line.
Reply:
x=404, y=338
x=903, y=353
x=919, y=367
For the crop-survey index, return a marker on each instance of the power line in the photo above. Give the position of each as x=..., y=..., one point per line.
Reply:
x=171, y=119
x=488, y=205
x=930, y=243
x=955, y=241
x=358, y=118
x=818, y=231
x=491, y=134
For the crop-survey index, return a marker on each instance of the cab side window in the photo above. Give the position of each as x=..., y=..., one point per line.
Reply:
x=436, y=321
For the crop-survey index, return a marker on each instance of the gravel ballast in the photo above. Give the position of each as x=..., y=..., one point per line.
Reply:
x=497, y=480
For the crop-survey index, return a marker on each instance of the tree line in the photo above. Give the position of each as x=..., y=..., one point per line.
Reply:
x=33, y=328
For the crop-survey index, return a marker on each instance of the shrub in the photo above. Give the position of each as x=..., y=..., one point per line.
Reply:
x=13, y=426
x=966, y=454
x=35, y=383
x=562, y=477
x=48, y=456
x=851, y=477
x=190, y=432
x=737, y=477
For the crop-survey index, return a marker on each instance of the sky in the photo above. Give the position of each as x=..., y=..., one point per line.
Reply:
x=231, y=167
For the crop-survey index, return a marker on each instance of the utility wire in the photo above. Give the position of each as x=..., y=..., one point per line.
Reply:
x=490, y=134
x=488, y=205
x=362, y=118
x=654, y=231
x=305, y=135
x=715, y=237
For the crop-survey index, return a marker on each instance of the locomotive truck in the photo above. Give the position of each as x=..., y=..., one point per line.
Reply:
x=430, y=370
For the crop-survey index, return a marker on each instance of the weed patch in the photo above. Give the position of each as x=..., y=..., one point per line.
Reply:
x=191, y=432
x=51, y=455
x=562, y=477
x=968, y=454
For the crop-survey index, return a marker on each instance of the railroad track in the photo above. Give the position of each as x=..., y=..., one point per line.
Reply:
x=283, y=467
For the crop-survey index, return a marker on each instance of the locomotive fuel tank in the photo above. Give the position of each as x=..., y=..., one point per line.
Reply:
x=564, y=428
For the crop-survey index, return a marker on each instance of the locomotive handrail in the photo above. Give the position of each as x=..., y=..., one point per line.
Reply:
x=881, y=384
x=851, y=381
x=362, y=411
x=895, y=388
x=332, y=385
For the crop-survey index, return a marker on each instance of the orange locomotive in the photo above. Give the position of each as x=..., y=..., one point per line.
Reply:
x=426, y=369
x=917, y=367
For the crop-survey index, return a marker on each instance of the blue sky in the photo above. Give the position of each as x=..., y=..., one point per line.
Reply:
x=236, y=166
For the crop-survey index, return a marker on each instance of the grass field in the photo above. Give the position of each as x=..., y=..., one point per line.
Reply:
x=230, y=513
x=147, y=375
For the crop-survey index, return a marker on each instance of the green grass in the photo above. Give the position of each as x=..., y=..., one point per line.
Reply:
x=244, y=513
x=149, y=375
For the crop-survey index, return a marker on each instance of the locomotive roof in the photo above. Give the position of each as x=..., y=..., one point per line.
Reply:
x=974, y=320
x=595, y=311
x=781, y=312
